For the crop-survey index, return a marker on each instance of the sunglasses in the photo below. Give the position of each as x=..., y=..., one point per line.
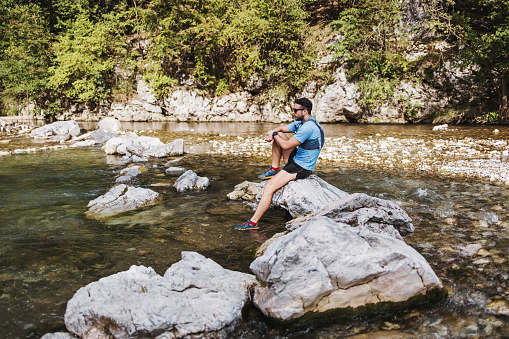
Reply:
x=298, y=109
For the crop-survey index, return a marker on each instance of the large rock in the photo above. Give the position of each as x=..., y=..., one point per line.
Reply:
x=110, y=125
x=299, y=197
x=359, y=209
x=136, y=110
x=191, y=181
x=326, y=265
x=195, y=298
x=57, y=129
x=118, y=199
x=143, y=146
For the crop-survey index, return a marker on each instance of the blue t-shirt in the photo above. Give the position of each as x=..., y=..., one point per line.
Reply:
x=305, y=158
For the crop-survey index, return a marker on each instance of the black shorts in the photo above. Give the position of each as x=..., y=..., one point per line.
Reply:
x=291, y=167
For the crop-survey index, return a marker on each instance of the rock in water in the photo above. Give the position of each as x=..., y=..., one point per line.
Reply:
x=62, y=129
x=359, y=209
x=190, y=180
x=101, y=136
x=118, y=199
x=109, y=124
x=299, y=197
x=326, y=265
x=143, y=146
x=195, y=298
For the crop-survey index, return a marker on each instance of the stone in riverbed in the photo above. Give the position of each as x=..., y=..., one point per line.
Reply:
x=174, y=171
x=143, y=146
x=195, y=298
x=190, y=180
x=361, y=210
x=59, y=129
x=128, y=175
x=101, y=136
x=119, y=199
x=109, y=124
x=326, y=265
x=299, y=197
x=245, y=191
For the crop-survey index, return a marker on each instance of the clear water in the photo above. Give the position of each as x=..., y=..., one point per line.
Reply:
x=48, y=249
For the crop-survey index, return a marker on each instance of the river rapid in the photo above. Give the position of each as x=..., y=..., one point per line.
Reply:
x=454, y=184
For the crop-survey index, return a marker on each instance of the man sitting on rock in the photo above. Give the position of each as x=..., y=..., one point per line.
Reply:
x=299, y=153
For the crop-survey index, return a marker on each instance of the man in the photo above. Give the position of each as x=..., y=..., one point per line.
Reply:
x=299, y=153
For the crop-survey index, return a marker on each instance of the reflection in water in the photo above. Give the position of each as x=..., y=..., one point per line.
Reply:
x=48, y=249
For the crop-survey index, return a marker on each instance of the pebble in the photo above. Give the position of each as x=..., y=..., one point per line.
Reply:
x=498, y=307
x=477, y=159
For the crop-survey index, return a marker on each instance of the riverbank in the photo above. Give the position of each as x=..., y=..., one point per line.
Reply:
x=448, y=153
x=468, y=158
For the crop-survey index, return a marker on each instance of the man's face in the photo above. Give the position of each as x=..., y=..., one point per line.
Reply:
x=298, y=112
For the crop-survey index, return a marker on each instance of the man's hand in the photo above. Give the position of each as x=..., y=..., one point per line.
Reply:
x=268, y=137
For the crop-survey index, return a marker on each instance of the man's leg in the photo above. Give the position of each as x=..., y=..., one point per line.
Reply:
x=277, y=152
x=278, y=181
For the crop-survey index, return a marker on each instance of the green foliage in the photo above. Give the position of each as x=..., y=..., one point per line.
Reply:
x=375, y=91
x=480, y=28
x=84, y=59
x=371, y=44
x=25, y=52
x=491, y=117
x=224, y=43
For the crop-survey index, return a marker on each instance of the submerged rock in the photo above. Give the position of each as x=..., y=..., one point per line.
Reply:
x=60, y=129
x=195, y=298
x=101, y=136
x=174, y=171
x=128, y=175
x=143, y=146
x=118, y=199
x=326, y=265
x=190, y=180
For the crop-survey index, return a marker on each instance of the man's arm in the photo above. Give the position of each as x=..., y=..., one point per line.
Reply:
x=286, y=144
x=284, y=129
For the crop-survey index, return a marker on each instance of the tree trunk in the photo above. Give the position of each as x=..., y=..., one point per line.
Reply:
x=504, y=107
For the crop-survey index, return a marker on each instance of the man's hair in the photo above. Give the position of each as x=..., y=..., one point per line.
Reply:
x=306, y=103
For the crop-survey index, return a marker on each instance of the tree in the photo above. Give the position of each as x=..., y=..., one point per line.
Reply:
x=481, y=30
x=25, y=50
x=84, y=59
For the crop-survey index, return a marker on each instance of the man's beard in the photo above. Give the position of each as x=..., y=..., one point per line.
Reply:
x=299, y=118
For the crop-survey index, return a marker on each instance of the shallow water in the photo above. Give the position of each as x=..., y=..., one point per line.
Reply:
x=48, y=249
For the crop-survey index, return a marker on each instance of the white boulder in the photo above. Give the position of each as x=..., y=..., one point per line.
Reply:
x=109, y=124
x=190, y=181
x=62, y=129
x=118, y=199
x=299, y=197
x=326, y=265
x=143, y=146
x=195, y=298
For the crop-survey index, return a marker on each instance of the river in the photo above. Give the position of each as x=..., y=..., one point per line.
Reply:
x=48, y=249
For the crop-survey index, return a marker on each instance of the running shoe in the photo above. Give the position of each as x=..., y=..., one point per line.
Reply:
x=246, y=226
x=269, y=174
